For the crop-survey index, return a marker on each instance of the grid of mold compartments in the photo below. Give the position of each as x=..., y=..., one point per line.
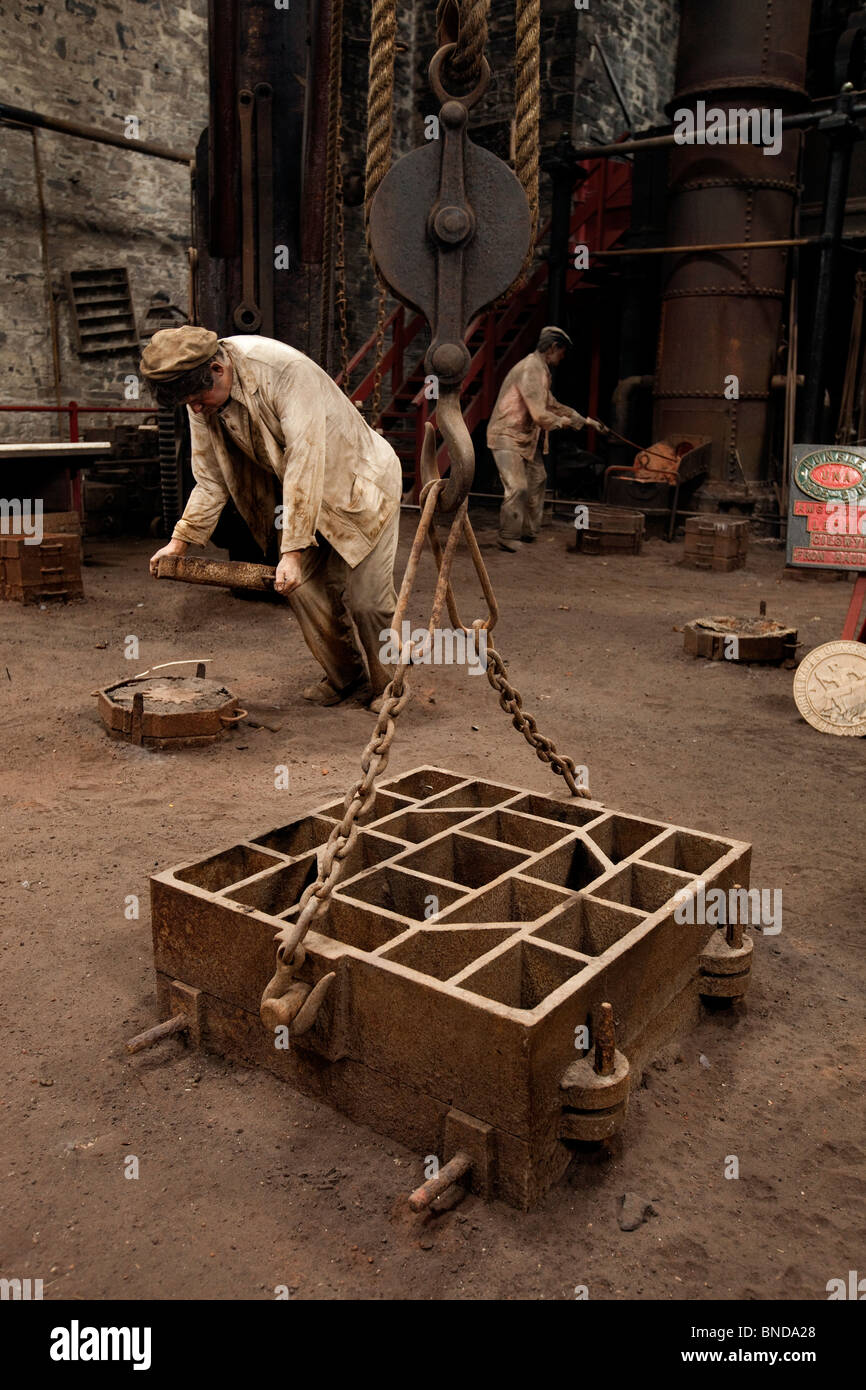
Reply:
x=507, y=895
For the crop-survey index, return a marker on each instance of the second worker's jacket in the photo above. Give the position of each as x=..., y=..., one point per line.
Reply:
x=287, y=419
x=525, y=406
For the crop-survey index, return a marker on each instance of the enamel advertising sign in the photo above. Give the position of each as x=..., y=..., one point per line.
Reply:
x=827, y=507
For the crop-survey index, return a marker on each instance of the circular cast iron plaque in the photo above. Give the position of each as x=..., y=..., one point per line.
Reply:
x=830, y=688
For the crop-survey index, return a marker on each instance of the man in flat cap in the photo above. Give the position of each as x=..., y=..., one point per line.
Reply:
x=261, y=413
x=524, y=408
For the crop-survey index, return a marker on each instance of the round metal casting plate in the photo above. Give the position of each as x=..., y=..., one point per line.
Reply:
x=744, y=627
x=830, y=688
x=172, y=694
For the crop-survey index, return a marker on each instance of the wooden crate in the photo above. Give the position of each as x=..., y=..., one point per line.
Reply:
x=610, y=530
x=716, y=542
x=34, y=573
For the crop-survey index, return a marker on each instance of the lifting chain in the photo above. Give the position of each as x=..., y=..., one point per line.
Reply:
x=288, y=1001
x=434, y=227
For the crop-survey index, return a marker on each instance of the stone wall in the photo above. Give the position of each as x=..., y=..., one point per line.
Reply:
x=101, y=62
x=96, y=63
x=639, y=38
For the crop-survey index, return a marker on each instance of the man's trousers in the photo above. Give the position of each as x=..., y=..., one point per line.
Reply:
x=524, y=481
x=334, y=602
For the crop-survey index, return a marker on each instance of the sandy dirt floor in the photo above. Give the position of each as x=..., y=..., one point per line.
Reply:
x=245, y=1185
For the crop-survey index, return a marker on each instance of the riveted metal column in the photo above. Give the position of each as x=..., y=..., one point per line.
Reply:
x=721, y=311
x=842, y=132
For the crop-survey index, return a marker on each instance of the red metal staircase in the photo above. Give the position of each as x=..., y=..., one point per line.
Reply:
x=497, y=338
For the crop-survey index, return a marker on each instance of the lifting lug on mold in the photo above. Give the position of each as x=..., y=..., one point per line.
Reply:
x=726, y=963
x=596, y=1086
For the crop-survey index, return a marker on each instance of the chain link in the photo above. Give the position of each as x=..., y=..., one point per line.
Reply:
x=285, y=999
x=545, y=748
x=376, y=397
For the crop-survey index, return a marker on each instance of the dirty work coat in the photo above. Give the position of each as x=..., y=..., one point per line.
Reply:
x=286, y=417
x=525, y=406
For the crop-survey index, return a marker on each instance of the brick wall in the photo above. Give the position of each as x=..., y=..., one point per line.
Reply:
x=96, y=63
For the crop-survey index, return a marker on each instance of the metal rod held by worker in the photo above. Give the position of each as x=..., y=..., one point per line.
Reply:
x=226, y=574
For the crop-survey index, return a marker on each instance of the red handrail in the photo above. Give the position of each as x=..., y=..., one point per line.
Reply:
x=74, y=410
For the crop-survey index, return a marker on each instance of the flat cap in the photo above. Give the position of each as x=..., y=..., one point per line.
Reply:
x=553, y=331
x=173, y=351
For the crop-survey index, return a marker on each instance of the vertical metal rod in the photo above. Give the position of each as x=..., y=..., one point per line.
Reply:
x=836, y=192
x=46, y=264
x=222, y=128
x=605, y=1040
x=265, y=205
x=563, y=169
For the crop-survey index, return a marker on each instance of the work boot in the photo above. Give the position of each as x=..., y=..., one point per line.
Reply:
x=323, y=693
x=511, y=546
x=528, y=540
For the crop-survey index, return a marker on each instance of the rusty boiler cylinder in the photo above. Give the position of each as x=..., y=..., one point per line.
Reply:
x=721, y=311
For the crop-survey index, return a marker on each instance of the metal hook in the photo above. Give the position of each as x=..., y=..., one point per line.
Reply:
x=461, y=451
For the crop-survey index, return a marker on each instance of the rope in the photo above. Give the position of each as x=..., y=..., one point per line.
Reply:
x=527, y=107
x=332, y=158
x=380, y=102
x=341, y=297
x=380, y=117
x=468, y=20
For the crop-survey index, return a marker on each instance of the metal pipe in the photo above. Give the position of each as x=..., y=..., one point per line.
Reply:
x=224, y=574
x=46, y=266
x=713, y=246
x=611, y=77
x=729, y=302
x=564, y=169
x=177, y=1024
x=800, y=121
x=222, y=137
x=453, y=1170
x=838, y=172
x=19, y=116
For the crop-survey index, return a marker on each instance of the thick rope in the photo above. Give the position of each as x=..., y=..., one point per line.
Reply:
x=341, y=296
x=380, y=119
x=380, y=101
x=527, y=107
x=462, y=68
x=332, y=156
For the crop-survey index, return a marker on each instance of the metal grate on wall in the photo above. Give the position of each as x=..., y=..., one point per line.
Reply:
x=102, y=313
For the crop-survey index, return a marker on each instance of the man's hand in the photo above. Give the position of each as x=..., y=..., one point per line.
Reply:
x=173, y=548
x=597, y=425
x=573, y=420
x=288, y=572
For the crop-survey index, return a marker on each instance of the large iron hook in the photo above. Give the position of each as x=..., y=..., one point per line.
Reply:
x=461, y=451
